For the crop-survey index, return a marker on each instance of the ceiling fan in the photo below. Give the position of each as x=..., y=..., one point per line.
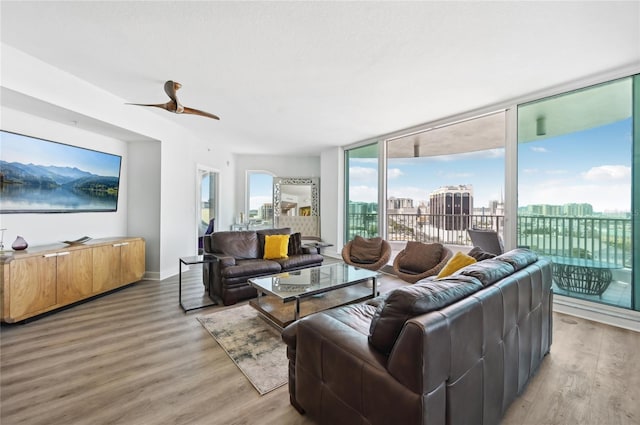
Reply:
x=170, y=88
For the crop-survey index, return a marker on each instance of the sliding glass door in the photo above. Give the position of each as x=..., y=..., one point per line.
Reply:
x=361, y=192
x=575, y=197
x=445, y=180
x=576, y=177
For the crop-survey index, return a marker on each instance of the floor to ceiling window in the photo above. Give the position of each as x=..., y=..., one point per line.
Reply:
x=361, y=191
x=573, y=186
x=444, y=180
x=575, y=166
x=259, y=200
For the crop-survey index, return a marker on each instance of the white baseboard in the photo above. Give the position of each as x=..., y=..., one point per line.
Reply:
x=614, y=316
x=151, y=275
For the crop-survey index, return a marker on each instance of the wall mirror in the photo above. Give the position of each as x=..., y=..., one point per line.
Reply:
x=296, y=204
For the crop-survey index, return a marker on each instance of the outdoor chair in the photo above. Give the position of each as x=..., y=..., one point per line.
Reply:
x=487, y=240
x=374, y=259
x=418, y=261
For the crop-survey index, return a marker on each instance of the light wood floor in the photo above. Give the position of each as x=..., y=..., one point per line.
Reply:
x=133, y=357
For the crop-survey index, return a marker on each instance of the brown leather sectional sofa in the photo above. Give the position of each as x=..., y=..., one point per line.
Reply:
x=239, y=257
x=456, y=350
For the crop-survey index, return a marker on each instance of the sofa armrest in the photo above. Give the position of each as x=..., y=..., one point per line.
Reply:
x=211, y=273
x=338, y=374
x=310, y=250
x=420, y=357
x=220, y=258
x=226, y=262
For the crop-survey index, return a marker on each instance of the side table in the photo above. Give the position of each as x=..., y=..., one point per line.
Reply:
x=583, y=276
x=317, y=245
x=198, y=259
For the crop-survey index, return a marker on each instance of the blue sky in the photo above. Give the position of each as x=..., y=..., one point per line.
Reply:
x=591, y=166
x=483, y=170
x=28, y=150
x=261, y=190
x=415, y=178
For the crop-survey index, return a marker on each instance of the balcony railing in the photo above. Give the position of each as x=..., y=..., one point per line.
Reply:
x=602, y=239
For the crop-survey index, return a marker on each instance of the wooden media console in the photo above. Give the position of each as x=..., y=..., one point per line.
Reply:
x=45, y=278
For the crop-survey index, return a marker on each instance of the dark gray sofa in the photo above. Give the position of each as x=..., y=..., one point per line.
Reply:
x=239, y=257
x=456, y=350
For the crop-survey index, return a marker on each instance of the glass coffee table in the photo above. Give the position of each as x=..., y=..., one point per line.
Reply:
x=286, y=297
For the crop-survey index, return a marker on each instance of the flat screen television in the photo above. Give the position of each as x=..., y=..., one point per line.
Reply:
x=43, y=176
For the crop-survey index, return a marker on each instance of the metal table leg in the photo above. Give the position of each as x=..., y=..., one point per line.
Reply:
x=185, y=309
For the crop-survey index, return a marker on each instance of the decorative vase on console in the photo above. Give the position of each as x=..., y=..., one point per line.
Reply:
x=19, y=244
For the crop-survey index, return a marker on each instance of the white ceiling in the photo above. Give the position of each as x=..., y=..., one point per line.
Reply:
x=299, y=77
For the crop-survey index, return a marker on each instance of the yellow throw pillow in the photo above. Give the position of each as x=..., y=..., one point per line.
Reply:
x=455, y=263
x=275, y=246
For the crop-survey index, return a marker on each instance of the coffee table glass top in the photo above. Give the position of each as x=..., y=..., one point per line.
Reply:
x=311, y=281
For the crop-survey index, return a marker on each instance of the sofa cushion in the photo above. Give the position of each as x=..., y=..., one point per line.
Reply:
x=455, y=263
x=419, y=257
x=275, y=246
x=239, y=245
x=250, y=268
x=295, y=244
x=488, y=271
x=263, y=232
x=519, y=258
x=480, y=255
x=356, y=316
x=299, y=261
x=409, y=301
x=365, y=251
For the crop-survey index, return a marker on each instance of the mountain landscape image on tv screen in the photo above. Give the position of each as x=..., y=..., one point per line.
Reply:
x=41, y=176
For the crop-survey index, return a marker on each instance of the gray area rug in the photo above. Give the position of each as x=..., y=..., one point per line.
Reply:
x=253, y=345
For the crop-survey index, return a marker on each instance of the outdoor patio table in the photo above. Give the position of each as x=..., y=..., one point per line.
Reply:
x=582, y=275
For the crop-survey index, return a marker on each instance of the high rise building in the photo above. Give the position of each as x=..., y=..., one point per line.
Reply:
x=399, y=203
x=266, y=211
x=451, y=207
x=566, y=210
x=577, y=210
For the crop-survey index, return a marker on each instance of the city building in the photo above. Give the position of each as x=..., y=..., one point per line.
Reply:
x=566, y=210
x=266, y=212
x=451, y=207
x=398, y=204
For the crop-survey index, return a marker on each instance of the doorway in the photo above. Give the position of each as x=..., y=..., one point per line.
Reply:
x=206, y=202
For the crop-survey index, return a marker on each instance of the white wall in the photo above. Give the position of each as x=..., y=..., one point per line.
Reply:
x=143, y=217
x=328, y=166
x=332, y=199
x=279, y=166
x=162, y=209
x=41, y=229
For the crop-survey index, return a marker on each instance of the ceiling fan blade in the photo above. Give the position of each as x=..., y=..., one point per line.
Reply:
x=170, y=88
x=159, y=105
x=169, y=106
x=199, y=112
